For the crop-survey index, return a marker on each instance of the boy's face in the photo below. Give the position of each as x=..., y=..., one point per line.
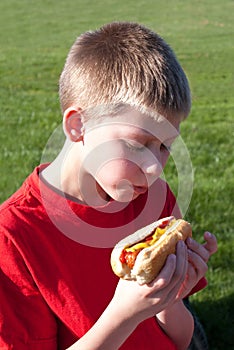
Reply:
x=124, y=155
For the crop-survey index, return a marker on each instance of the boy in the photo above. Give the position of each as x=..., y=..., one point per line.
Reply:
x=123, y=95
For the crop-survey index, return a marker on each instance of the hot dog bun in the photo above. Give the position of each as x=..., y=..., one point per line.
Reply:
x=150, y=259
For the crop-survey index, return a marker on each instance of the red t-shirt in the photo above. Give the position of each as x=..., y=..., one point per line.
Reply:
x=55, y=276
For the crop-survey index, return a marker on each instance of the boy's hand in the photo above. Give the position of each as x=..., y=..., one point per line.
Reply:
x=198, y=257
x=140, y=302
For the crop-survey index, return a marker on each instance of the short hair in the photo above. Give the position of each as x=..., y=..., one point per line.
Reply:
x=124, y=63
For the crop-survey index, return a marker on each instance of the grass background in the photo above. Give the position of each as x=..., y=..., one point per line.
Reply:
x=34, y=41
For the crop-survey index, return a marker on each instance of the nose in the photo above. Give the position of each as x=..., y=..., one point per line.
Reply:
x=152, y=167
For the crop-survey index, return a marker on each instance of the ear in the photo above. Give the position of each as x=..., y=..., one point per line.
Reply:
x=72, y=124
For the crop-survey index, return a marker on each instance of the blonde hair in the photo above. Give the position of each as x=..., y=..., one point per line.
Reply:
x=124, y=63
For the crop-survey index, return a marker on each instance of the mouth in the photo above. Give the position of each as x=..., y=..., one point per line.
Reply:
x=130, y=191
x=139, y=189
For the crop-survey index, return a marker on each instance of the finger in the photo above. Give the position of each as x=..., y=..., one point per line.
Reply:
x=180, y=271
x=198, y=249
x=182, y=259
x=174, y=271
x=181, y=263
x=182, y=256
x=198, y=263
x=211, y=242
x=165, y=275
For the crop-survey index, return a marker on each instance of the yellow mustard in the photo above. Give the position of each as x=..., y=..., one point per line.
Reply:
x=155, y=237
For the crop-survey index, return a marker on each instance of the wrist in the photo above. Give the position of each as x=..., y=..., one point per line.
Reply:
x=177, y=322
x=176, y=307
x=124, y=315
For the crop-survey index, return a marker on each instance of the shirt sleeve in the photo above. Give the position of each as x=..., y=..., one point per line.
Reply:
x=199, y=286
x=26, y=321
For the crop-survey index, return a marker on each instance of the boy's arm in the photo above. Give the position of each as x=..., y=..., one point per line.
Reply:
x=177, y=322
x=133, y=303
x=106, y=334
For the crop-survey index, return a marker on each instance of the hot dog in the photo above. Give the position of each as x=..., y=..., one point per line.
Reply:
x=141, y=255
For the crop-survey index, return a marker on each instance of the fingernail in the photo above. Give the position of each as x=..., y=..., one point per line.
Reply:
x=171, y=257
x=209, y=235
x=181, y=244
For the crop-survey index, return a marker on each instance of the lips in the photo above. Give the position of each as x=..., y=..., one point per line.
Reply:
x=139, y=189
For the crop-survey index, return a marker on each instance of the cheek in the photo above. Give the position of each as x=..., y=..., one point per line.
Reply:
x=102, y=158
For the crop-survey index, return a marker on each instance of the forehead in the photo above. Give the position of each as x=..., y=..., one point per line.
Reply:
x=135, y=124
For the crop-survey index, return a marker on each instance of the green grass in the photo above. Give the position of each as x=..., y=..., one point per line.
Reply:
x=35, y=38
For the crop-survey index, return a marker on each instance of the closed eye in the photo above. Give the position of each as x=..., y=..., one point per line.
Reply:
x=134, y=146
